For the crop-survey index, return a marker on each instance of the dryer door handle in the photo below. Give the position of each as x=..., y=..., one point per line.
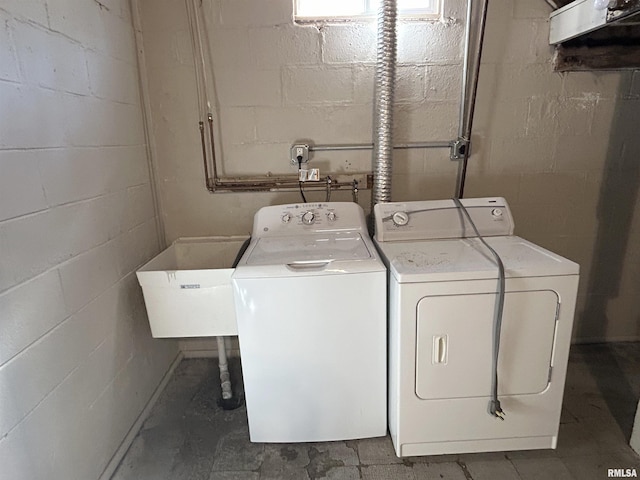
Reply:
x=304, y=265
x=440, y=354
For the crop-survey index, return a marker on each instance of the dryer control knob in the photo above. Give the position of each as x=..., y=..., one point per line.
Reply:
x=308, y=218
x=286, y=218
x=400, y=218
x=496, y=212
x=331, y=216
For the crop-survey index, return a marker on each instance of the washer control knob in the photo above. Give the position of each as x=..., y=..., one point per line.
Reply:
x=496, y=212
x=400, y=218
x=308, y=217
x=331, y=216
x=286, y=217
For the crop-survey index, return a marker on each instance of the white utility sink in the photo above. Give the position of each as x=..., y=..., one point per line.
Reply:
x=187, y=288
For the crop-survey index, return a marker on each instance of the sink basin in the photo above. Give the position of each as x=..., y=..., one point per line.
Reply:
x=187, y=288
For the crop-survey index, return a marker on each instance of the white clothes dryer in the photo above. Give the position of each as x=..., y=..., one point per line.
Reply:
x=310, y=294
x=442, y=300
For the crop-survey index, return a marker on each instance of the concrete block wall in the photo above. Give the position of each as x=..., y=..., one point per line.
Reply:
x=77, y=361
x=559, y=147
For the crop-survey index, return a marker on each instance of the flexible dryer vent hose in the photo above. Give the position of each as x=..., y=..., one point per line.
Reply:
x=384, y=91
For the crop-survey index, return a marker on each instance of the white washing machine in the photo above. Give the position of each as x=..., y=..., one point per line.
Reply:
x=310, y=295
x=443, y=289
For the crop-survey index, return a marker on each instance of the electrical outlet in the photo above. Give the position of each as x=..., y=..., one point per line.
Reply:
x=299, y=153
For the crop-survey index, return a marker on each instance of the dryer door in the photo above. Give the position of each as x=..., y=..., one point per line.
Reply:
x=454, y=349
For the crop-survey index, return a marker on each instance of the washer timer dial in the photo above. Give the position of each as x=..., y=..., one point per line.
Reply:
x=308, y=218
x=400, y=218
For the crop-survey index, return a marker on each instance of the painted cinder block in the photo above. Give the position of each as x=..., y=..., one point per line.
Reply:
x=521, y=81
x=80, y=21
x=443, y=82
x=249, y=87
x=411, y=124
x=32, y=10
x=76, y=218
x=119, y=40
x=33, y=374
x=240, y=56
x=523, y=154
x=251, y=157
x=87, y=275
x=137, y=246
x=173, y=47
x=105, y=123
x=238, y=124
x=139, y=207
x=9, y=69
x=285, y=45
x=253, y=13
x=113, y=79
x=513, y=41
x=70, y=230
x=82, y=408
x=119, y=8
x=21, y=310
x=354, y=43
x=73, y=174
x=410, y=84
x=416, y=41
x=317, y=85
x=21, y=191
x=29, y=105
x=51, y=60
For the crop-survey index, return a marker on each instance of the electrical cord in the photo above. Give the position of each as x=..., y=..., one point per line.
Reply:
x=304, y=200
x=494, y=405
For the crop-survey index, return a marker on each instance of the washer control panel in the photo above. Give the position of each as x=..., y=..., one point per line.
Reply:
x=426, y=220
x=299, y=218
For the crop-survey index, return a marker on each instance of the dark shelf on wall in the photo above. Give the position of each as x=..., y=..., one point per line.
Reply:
x=613, y=48
x=587, y=38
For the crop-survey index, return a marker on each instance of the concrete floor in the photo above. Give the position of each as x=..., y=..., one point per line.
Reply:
x=188, y=437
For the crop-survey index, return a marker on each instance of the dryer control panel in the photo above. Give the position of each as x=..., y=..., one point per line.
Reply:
x=425, y=220
x=302, y=218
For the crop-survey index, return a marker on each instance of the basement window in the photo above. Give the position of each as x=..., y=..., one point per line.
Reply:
x=310, y=10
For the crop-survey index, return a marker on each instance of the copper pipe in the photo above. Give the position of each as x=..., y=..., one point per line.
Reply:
x=266, y=186
x=257, y=184
x=213, y=151
x=204, y=155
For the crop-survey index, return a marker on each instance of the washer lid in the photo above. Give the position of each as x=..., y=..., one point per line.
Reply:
x=468, y=259
x=318, y=247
